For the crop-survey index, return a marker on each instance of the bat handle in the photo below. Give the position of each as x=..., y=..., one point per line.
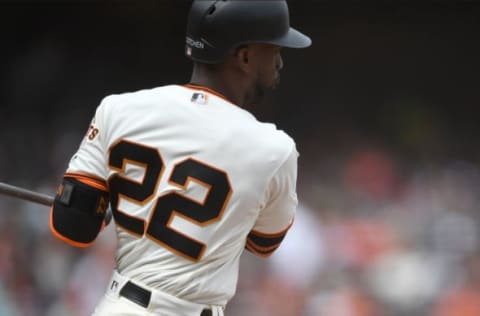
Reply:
x=44, y=199
x=25, y=194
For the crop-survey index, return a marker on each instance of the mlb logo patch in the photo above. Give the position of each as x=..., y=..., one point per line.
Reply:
x=199, y=98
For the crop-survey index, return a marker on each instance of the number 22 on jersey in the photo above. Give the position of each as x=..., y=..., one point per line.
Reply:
x=170, y=204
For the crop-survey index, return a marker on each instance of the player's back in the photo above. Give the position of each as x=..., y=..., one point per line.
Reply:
x=188, y=174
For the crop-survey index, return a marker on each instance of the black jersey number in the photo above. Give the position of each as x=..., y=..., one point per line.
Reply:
x=169, y=205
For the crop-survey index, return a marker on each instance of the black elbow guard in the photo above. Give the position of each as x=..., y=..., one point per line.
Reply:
x=78, y=212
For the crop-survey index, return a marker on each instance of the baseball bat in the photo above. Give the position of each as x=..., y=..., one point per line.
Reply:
x=39, y=198
x=24, y=194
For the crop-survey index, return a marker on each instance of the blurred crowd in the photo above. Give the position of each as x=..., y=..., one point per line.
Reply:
x=373, y=237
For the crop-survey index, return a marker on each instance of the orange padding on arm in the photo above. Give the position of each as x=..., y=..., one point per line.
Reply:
x=88, y=180
x=63, y=238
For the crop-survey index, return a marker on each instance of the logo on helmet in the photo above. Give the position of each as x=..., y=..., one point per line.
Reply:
x=197, y=44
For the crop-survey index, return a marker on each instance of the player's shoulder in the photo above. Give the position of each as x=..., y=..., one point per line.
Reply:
x=139, y=96
x=272, y=141
x=275, y=136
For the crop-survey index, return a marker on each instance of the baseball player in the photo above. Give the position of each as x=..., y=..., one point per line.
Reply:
x=191, y=177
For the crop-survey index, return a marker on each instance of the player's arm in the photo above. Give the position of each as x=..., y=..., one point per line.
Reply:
x=277, y=216
x=263, y=244
x=78, y=211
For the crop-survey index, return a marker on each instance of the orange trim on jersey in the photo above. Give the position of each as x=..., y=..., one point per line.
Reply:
x=63, y=238
x=206, y=89
x=272, y=235
x=259, y=254
x=252, y=244
x=88, y=180
x=263, y=244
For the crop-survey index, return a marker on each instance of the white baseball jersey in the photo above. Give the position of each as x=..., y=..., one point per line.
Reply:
x=193, y=180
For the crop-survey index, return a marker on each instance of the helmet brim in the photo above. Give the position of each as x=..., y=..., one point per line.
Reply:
x=293, y=39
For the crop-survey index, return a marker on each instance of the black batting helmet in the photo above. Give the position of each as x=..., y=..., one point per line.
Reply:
x=217, y=26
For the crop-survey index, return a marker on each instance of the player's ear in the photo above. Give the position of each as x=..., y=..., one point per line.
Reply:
x=243, y=57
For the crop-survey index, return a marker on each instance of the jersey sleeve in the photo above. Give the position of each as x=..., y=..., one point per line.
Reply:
x=90, y=158
x=278, y=214
x=78, y=211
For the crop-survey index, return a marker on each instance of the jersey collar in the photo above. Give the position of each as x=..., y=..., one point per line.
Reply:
x=206, y=89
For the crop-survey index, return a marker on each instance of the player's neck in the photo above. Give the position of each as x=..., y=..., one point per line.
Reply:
x=219, y=82
x=220, y=89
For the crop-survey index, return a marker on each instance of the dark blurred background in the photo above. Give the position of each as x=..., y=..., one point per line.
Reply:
x=383, y=107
